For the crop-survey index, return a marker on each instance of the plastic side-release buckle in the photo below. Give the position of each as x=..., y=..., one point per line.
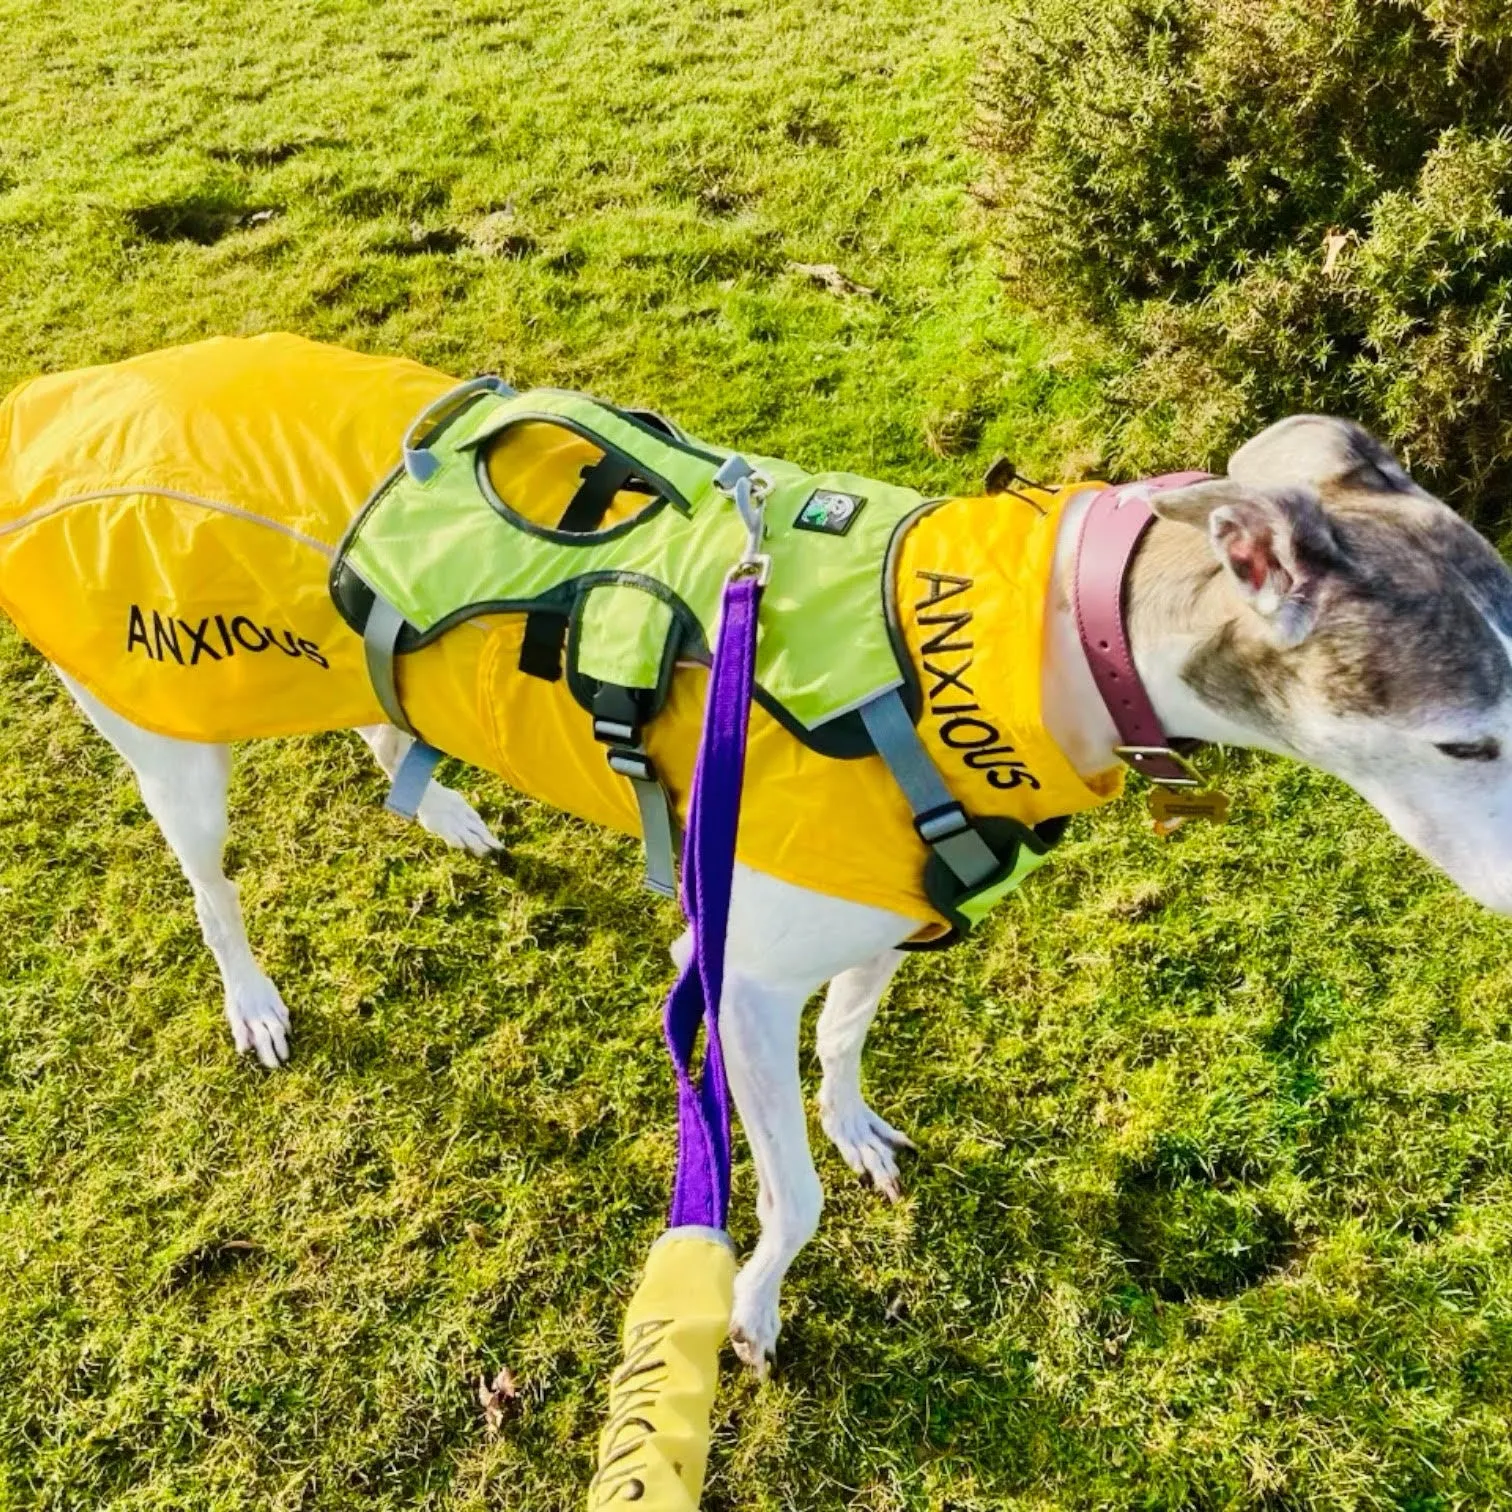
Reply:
x=615, y=732
x=625, y=754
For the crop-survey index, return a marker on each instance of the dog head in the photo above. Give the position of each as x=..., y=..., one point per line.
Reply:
x=1356, y=622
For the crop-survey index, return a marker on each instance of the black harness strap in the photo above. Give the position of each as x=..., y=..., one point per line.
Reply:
x=601, y=481
x=545, y=642
x=541, y=651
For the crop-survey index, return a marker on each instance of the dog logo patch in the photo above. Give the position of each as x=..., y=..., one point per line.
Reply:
x=828, y=512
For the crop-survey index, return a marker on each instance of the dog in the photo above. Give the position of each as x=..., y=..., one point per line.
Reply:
x=1313, y=602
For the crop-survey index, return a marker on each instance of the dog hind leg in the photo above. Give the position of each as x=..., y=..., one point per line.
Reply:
x=784, y=943
x=184, y=785
x=868, y=1144
x=759, y=1026
x=446, y=814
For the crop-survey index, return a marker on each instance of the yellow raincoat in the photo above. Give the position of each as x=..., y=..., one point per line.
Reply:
x=166, y=529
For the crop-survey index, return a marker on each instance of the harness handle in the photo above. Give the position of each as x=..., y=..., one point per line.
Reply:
x=679, y=469
x=419, y=463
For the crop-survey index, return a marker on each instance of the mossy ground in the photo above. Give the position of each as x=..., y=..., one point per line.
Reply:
x=1214, y=1204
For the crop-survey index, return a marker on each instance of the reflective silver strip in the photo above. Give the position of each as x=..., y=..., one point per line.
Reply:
x=412, y=779
x=170, y=493
x=379, y=636
x=913, y=769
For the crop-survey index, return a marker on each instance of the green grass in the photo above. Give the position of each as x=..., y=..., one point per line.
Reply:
x=1214, y=1206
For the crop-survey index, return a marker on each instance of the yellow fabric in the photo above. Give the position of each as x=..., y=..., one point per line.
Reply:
x=971, y=588
x=166, y=527
x=654, y=1449
x=839, y=827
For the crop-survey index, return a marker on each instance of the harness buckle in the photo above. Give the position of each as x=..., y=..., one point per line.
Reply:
x=617, y=725
x=943, y=823
x=631, y=763
x=613, y=732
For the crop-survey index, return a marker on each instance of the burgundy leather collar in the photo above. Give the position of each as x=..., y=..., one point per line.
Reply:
x=1111, y=528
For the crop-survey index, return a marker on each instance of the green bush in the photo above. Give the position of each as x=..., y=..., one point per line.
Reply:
x=1272, y=205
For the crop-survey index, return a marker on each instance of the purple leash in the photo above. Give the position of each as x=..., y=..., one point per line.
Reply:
x=701, y=1195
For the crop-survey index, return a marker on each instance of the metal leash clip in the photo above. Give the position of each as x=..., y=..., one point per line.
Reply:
x=747, y=488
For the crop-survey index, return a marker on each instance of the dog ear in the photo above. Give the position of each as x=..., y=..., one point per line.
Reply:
x=1277, y=546
x=1320, y=452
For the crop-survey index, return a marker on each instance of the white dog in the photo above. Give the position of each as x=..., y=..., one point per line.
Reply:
x=1316, y=604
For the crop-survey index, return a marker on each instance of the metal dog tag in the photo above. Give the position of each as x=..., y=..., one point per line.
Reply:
x=1172, y=807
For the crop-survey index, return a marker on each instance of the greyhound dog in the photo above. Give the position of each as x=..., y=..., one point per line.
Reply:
x=1315, y=603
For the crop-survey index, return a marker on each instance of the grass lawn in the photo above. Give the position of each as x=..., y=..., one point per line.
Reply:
x=1214, y=1205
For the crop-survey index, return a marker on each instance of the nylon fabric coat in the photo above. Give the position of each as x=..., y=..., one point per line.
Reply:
x=166, y=529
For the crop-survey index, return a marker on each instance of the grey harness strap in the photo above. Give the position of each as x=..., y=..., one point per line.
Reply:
x=412, y=779
x=380, y=637
x=658, y=832
x=620, y=732
x=941, y=822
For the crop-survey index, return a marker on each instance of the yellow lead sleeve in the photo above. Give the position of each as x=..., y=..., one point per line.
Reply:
x=655, y=1447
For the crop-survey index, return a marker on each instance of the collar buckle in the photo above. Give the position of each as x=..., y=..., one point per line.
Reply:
x=1145, y=759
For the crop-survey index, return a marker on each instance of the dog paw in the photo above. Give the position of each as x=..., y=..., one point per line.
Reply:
x=868, y=1144
x=450, y=817
x=754, y=1325
x=259, y=1021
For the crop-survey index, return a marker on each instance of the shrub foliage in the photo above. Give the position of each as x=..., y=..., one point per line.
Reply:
x=1275, y=205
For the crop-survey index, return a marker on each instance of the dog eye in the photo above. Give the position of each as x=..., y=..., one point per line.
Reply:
x=1471, y=750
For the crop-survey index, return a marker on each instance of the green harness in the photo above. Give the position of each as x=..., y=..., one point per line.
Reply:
x=613, y=608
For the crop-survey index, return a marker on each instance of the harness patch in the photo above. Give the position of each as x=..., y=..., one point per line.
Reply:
x=167, y=637
x=949, y=699
x=827, y=512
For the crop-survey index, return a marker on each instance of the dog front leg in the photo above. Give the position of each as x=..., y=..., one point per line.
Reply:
x=184, y=785
x=759, y=1026
x=446, y=814
x=868, y=1144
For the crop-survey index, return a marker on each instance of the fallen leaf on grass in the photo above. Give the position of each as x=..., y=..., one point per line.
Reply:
x=497, y=1400
x=828, y=276
x=1334, y=244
